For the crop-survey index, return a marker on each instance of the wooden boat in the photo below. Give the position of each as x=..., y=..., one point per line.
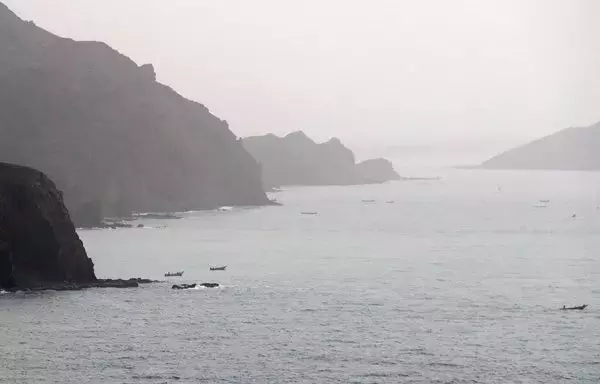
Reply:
x=171, y=274
x=578, y=308
x=218, y=268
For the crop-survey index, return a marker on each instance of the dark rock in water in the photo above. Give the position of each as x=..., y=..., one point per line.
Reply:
x=100, y=283
x=140, y=226
x=38, y=243
x=183, y=286
x=297, y=160
x=189, y=286
x=107, y=224
x=121, y=283
x=110, y=136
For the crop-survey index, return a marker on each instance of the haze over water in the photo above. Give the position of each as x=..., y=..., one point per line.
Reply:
x=457, y=281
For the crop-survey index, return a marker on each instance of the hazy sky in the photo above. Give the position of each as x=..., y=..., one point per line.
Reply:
x=394, y=71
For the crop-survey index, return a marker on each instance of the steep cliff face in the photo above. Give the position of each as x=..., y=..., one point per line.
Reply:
x=297, y=160
x=571, y=149
x=112, y=138
x=38, y=243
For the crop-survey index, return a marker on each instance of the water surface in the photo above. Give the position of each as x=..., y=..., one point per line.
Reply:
x=456, y=281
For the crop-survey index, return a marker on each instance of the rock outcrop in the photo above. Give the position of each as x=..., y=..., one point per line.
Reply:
x=297, y=160
x=39, y=248
x=38, y=243
x=572, y=149
x=112, y=138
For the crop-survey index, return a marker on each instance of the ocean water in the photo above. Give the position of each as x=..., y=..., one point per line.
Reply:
x=457, y=281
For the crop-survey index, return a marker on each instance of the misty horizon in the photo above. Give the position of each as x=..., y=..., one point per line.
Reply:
x=396, y=72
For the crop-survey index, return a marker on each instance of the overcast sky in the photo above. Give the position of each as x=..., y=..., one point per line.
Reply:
x=394, y=71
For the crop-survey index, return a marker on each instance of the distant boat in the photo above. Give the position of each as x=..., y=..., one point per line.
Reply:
x=574, y=216
x=218, y=268
x=578, y=308
x=309, y=213
x=368, y=201
x=172, y=274
x=390, y=202
x=544, y=201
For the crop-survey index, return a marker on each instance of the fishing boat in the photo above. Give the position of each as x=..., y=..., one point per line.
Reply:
x=172, y=274
x=218, y=268
x=309, y=213
x=578, y=308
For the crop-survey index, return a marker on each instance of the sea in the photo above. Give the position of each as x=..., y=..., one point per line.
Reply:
x=455, y=280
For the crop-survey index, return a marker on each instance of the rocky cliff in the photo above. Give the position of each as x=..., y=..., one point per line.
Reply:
x=571, y=149
x=297, y=160
x=111, y=137
x=38, y=243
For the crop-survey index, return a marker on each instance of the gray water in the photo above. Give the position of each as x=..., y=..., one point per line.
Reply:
x=457, y=281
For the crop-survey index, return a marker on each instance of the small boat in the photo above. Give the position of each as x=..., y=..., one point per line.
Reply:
x=218, y=268
x=390, y=202
x=544, y=201
x=578, y=308
x=309, y=213
x=171, y=274
x=368, y=201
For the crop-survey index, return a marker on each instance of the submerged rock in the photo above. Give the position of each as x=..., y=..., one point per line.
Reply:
x=183, y=286
x=190, y=286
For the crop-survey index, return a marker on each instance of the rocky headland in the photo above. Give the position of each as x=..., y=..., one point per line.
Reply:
x=39, y=247
x=296, y=159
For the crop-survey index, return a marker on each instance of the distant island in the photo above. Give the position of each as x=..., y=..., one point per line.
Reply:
x=111, y=137
x=572, y=149
x=296, y=159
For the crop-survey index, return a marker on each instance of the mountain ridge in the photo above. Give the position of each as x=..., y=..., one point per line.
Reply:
x=113, y=139
x=571, y=149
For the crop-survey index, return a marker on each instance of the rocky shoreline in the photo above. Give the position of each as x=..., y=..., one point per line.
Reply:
x=100, y=283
